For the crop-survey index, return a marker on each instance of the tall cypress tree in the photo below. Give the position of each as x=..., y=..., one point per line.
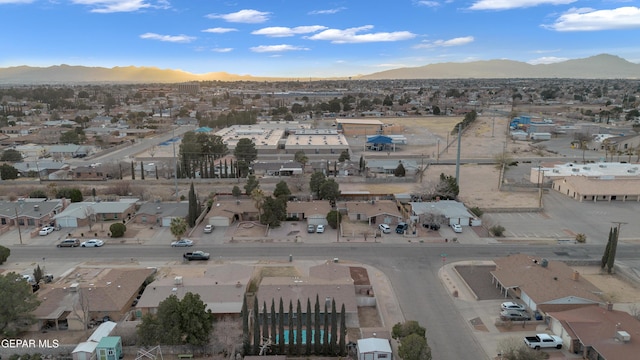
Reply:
x=309, y=329
x=316, y=326
x=246, y=343
x=281, y=329
x=333, y=347
x=291, y=348
x=273, y=323
x=265, y=323
x=256, y=327
x=325, y=334
x=299, y=329
x=607, y=249
x=612, y=252
x=141, y=170
x=133, y=171
x=193, y=209
x=343, y=332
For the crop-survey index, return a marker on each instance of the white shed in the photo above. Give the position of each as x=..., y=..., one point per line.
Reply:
x=374, y=349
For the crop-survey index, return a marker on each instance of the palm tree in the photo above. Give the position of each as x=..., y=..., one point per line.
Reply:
x=257, y=195
x=178, y=227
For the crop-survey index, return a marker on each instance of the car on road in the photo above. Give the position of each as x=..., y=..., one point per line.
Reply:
x=456, y=228
x=92, y=243
x=510, y=305
x=311, y=228
x=514, y=315
x=208, y=229
x=386, y=229
x=196, y=255
x=182, y=243
x=46, y=230
x=320, y=229
x=69, y=243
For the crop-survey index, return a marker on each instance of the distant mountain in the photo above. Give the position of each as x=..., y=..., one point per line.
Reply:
x=601, y=66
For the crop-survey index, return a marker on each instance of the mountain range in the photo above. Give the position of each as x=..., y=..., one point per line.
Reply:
x=603, y=66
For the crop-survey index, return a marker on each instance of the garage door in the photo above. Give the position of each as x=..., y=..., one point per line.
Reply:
x=218, y=221
x=67, y=222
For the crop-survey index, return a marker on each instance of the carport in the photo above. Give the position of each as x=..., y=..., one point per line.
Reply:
x=381, y=140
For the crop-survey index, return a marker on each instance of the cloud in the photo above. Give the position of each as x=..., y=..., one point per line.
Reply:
x=350, y=36
x=113, y=6
x=219, y=30
x=459, y=41
x=2, y=2
x=327, y=11
x=276, y=48
x=514, y=4
x=222, y=50
x=428, y=3
x=168, y=38
x=279, y=31
x=546, y=60
x=246, y=16
x=592, y=20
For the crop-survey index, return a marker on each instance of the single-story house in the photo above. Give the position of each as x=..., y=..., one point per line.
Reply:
x=226, y=212
x=374, y=349
x=41, y=168
x=598, y=332
x=453, y=212
x=374, y=211
x=161, y=213
x=314, y=212
x=29, y=212
x=389, y=166
x=287, y=168
x=90, y=173
x=542, y=284
x=81, y=213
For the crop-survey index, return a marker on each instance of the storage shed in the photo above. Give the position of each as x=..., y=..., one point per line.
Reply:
x=374, y=349
x=109, y=348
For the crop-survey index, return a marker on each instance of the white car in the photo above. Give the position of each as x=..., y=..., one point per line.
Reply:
x=510, y=305
x=386, y=229
x=208, y=229
x=456, y=228
x=320, y=229
x=92, y=243
x=46, y=230
x=182, y=243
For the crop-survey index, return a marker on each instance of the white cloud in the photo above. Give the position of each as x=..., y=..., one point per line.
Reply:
x=428, y=3
x=246, y=16
x=168, y=38
x=222, y=50
x=592, y=20
x=459, y=41
x=350, y=36
x=280, y=31
x=546, y=60
x=276, y=48
x=219, y=30
x=514, y=4
x=327, y=11
x=112, y=6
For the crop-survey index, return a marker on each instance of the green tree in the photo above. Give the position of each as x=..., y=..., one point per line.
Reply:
x=612, y=252
x=282, y=191
x=38, y=194
x=246, y=343
x=256, y=327
x=178, y=227
x=308, y=334
x=514, y=349
x=38, y=274
x=299, y=329
x=607, y=250
x=11, y=155
x=361, y=164
x=194, y=207
x=414, y=347
x=330, y=190
x=169, y=321
x=333, y=218
x=290, y=340
x=70, y=137
x=333, y=345
x=317, y=349
x=196, y=322
x=252, y=184
x=236, y=192
x=8, y=172
x=342, y=345
x=401, y=330
x=399, y=171
x=274, y=211
x=447, y=188
x=246, y=151
x=148, y=330
x=344, y=156
x=317, y=179
x=72, y=194
x=301, y=157
x=4, y=254
x=117, y=230
x=281, y=328
x=273, y=322
x=18, y=302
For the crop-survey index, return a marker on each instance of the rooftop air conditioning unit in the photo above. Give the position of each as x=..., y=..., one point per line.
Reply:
x=74, y=287
x=177, y=280
x=623, y=336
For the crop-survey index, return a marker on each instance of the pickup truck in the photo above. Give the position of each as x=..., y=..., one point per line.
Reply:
x=196, y=255
x=543, y=341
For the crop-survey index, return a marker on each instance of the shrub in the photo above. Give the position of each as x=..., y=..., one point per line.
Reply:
x=4, y=254
x=476, y=211
x=117, y=230
x=581, y=238
x=497, y=230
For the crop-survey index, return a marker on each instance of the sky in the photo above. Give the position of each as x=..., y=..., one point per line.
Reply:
x=303, y=38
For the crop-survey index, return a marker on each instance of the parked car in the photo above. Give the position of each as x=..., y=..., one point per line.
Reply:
x=456, y=228
x=320, y=229
x=510, y=305
x=543, y=341
x=92, y=243
x=69, y=243
x=208, y=229
x=514, y=315
x=311, y=228
x=386, y=229
x=46, y=230
x=402, y=227
x=182, y=243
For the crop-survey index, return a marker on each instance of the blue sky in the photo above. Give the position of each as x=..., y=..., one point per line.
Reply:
x=302, y=38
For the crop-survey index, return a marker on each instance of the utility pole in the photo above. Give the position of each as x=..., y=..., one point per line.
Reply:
x=18, y=225
x=540, y=181
x=458, y=156
x=175, y=162
x=619, y=223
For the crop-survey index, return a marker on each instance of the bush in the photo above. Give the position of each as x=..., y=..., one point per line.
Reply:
x=581, y=238
x=476, y=211
x=117, y=230
x=497, y=230
x=4, y=254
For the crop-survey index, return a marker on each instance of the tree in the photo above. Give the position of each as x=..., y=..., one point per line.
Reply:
x=361, y=164
x=178, y=227
x=316, y=327
x=399, y=171
x=330, y=190
x=256, y=327
x=333, y=345
x=71, y=137
x=18, y=302
x=195, y=322
x=607, y=250
x=38, y=194
x=236, y=192
x=4, y=254
x=401, y=330
x=265, y=322
x=612, y=251
x=281, y=328
x=342, y=345
x=193, y=207
x=414, y=347
x=308, y=337
x=301, y=157
x=117, y=230
x=38, y=274
x=72, y=194
x=290, y=340
x=514, y=349
x=8, y=172
x=333, y=218
x=273, y=322
x=317, y=179
x=344, y=156
x=447, y=188
x=258, y=197
x=282, y=191
x=273, y=211
x=299, y=328
x=11, y=155
x=245, y=151
x=252, y=184
x=246, y=343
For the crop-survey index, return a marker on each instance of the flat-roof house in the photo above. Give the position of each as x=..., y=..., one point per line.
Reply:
x=226, y=212
x=161, y=213
x=442, y=211
x=374, y=211
x=314, y=212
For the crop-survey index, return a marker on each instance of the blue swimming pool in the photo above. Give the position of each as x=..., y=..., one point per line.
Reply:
x=304, y=336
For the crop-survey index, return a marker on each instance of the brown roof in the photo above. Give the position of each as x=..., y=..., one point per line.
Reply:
x=375, y=208
x=292, y=289
x=543, y=283
x=596, y=327
x=228, y=208
x=590, y=186
x=330, y=271
x=309, y=207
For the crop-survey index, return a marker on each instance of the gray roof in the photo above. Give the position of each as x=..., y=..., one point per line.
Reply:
x=391, y=164
x=450, y=208
x=180, y=209
x=39, y=165
x=35, y=208
x=78, y=210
